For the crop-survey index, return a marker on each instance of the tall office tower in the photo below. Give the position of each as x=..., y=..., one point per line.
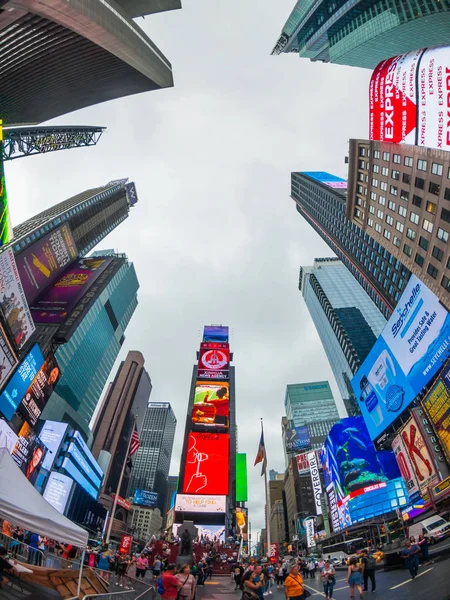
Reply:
x=404, y=206
x=80, y=53
x=361, y=33
x=321, y=200
x=92, y=344
x=346, y=319
x=91, y=215
x=310, y=402
x=123, y=406
x=151, y=462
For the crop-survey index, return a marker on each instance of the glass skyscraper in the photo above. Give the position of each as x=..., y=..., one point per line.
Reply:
x=151, y=463
x=346, y=319
x=310, y=402
x=362, y=33
x=379, y=273
x=87, y=358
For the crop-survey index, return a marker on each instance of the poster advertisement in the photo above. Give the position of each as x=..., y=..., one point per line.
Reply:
x=408, y=353
x=200, y=503
x=207, y=464
x=55, y=305
x=125, y=544
x=437, y=407
x=29, y=453
x=8, y=360
x=145, y=498
x=406, y=468
x=40, y=390
x=214, y=361
x=273, y=553
x=302, y=463
x=242, y=522
x=297, y=438
x=211, y=405
x=52, y=435
x=57, y=491
x=315, y=480
x=42, y=262
x=408, y=99
x=310, y=540
x=13, y=303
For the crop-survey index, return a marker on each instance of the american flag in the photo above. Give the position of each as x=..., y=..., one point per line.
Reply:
x=135, y=443
x=261, y=455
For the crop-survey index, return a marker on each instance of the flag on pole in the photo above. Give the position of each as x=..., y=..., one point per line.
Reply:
x=135, y=442
x=261, y=455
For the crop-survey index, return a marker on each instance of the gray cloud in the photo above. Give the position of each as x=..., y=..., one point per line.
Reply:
x=215, y=237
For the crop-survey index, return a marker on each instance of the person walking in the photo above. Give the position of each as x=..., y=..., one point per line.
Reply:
x=424, y=545
x=410, y=554
x=328, y=576
x=354, y=577
x=201, y=574
x=368, y=566
x=280, y=576
x=311, y=568
x=187, y=590
x=170, y=583
x=131, y=572
x=293, y=585
x=104, y=563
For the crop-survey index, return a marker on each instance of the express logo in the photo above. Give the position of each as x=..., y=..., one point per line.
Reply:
x=214, y=360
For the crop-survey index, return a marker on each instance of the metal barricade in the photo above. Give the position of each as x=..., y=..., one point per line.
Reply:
x=22, y=552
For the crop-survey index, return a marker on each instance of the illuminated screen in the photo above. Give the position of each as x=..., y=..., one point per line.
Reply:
x=242, y=522
x=409, y=351
x=214, y=361
x=211, y=531
x=79, y=459
x=76, y=474
x=200, y=503
x=207, y=464
x=297, y=438
x=437, y=407
x=52, y=434
x=327, y=178
x=40, y=390
x=145, y=498
x=57, y=490
x=211, y=405
x=215, y=333
x=241, y=478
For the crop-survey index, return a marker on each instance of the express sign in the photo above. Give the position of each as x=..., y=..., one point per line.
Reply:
x=409, y=99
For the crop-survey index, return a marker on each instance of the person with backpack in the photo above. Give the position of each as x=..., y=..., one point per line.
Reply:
x=369, y=564
x=168, y=584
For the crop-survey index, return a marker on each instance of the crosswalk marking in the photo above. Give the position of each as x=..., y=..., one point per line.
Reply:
x=410, y=580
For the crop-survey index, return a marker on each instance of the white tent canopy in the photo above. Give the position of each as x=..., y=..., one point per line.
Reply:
x=22, y=505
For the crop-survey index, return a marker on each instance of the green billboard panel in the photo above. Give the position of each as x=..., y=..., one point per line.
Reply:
x=241, y=478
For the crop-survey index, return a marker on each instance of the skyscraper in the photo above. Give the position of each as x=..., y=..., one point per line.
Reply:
x=306, y=403
x=123, y=406
x=346, y=319
x=404, y=206
x=88, y=356
x=321, y=200
x=361, y=33
x=151, y=462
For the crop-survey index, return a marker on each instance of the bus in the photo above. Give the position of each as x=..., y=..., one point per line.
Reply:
x=343, y=550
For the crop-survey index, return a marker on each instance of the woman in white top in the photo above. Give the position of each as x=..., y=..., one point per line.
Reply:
x=187, y=590
x=328, y=579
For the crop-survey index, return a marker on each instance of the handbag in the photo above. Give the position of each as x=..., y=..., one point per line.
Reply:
x=178, y=593
x=306, y=593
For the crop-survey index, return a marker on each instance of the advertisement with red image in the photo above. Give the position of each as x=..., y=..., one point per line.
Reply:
x=214, y=361
x=211, y=406
x=207, y=464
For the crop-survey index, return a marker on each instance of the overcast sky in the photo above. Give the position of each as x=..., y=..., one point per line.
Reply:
x=215, y=237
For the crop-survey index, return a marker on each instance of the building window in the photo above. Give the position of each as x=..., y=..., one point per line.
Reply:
x=360, y=176
x=431, y=270
x=376, y=154
x=422, y=165
x=360, y=189
x=381, y=200
x=419, y=183
x=396, y=241
x=362, y=151
x=370, y=222
x=387, y=234
x=375, y=183
x=402, y=211
x=399, y=226
x=414, y=218
x=411, y=234
x=408, y=161
x=383, y=186
x=407, y=250
x=419, y=259
x=385, y=171
x=434, y=188
x=373, y=196
x=380, y=214
x=397, y=159
x=395, y=174
x=404, y=195
x=437, y=253
x=386, y=156
x=406, y=178
x=431, y=207
x=423, y=243
x=447, y=194
x=389, y=220
x=437, y=169
x=391, y=205
x=442, y=235
x=377, y=227
x=361, y=164
x=427, y=225
x=376, y=168
x=445, y=283
x=445, y=215
x=393, y=190
x=417, y=201
x=372, y=209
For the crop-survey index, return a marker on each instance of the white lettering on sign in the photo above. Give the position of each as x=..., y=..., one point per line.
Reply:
x=315, y=480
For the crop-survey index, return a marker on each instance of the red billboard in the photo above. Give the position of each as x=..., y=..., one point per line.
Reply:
x=214, y=361
x=207, y=464
x=408, y=99
x=126, y=543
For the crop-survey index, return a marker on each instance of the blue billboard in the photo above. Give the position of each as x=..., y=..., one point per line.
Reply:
x=215, y=333
x=297, y=439
x=327, y=179
x=145, y=498
x=412, y=347
x=77, y=476
x=19, y=383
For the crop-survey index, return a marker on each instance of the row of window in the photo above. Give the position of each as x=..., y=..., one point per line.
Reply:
x=408, y=161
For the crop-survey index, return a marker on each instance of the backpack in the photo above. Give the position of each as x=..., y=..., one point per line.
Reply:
x=160, y=587
x=371, y=563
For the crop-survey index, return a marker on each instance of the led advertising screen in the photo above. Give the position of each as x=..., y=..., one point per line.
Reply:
x=8, y=360
x=408, y=353
x=29, y=453
x=315, y=480
x=57, y=491
x=40, y=390
x=437, y=407
x=330, y=180
x=211, y=532
x=8, y=438
x=42, y=262
x=297, y=438
x=241, y=477
x=242, y=522
x=19, y=383
x=85, y=467
x=94, y=464
x=13, y=303
x=6, y=229
x=52, y=434
x=406, y=467
x=145, y=498
x=207, y=464
x=200, y=503
x=214, y=361
x=74, y=472
x=215, y=333
x=211, y=405
x=56, y=303
x=408, y=99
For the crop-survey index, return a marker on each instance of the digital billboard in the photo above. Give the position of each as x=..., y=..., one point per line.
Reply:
x=6, y=230
x=408, y=99
x=297, y=438
x=52, y=434
x=19, y=383
x=57, y=491
x=84, y=465
x=77, y=476
x=408, y=353
x=437, y=407
x=211, y=405
x=241, y=477
x=215, y=333
x=327, y=178
x=315, y=480
x=211, y=531
x=207, y=464
x=13, y=303
x=406, y=468
x=40, y=390
x=29, y=452
x=200, y=503
x=42, y=262
x=145, y=498
x=8, y=360
x=214, y=361
x=242, y=522
x=58, y=301
x=94, y=464
x=8, y=438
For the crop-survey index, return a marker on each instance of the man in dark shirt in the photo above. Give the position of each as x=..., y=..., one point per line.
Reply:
x=368, y=570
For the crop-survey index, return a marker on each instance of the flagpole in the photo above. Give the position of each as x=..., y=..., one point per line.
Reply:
x=267, y=501
x=113, y=510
